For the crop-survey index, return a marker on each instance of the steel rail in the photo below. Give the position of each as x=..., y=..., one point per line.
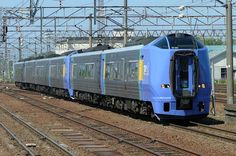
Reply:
x=38, y=132
x=204, y=133
x=213, y=128
x=61, y=114
x=144, y=136
x=17, y=139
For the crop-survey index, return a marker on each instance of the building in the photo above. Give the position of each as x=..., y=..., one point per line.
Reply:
x=218, y=62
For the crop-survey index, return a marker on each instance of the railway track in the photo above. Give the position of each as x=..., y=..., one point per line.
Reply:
x=29, y=152
x=42, y=139
x=138, y=142
x=222, y=88
x=222, y=97
x=203, y=129
x=220, y=93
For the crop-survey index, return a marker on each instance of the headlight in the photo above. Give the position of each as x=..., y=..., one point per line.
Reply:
x=165, y=86
x=202, y=86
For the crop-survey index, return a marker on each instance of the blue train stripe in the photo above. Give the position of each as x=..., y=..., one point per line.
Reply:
x=103, y=73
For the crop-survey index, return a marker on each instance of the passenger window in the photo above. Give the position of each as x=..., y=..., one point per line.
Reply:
x=133, y=70
x=60, y=71
x=85, y=70
x=162, y=44
x=53, y=71
x=74, y=71
x=114, y=70
x=40, y=71
x=109, y=70
x=89, y=70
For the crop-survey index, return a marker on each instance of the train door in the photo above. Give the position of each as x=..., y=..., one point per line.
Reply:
x=184, y=78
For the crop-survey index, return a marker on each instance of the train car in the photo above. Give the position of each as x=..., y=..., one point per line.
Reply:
x=86, y=72
x=167, y=78
x=41, y=75
x=177, y=77
x=57, y=76
x=19, y=73
x=30, y=74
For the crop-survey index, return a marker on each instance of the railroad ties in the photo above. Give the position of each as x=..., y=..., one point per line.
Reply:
x=42, y=138
x=136, y=144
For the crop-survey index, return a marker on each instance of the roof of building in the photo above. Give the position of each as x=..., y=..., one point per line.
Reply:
x=217, y=57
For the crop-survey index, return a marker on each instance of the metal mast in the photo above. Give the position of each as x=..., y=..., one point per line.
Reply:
x=101, y=19
x=229, y=53
x=125, y=21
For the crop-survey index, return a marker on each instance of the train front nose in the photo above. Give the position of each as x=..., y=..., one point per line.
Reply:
x=184, y=78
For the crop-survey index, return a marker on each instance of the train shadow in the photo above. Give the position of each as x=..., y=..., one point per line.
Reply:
x=209, y=121
x=206, y=121
x=191, y=123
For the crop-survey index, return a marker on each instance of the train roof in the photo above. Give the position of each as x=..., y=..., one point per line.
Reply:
x=175, y=41
x=138, y=47
x=42, y=56
x=140, y=41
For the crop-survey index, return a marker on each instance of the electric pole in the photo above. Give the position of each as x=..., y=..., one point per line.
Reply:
x=229, y=54
x=230, y=108
x=20, y=47
x=125, y=21
x=6, y=69
x=90, y=31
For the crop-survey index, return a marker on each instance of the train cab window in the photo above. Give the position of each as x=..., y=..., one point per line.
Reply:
x=162, y=44
x=133, y=70
x=199, y=45
x=181, y=41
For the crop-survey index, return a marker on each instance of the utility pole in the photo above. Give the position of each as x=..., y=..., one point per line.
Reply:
x=101, y=19
x=213, y=109
x=33, y=10
x=20, y=47
x=230, y=107
x=6, y=49
x=55, y=31
x=229, y=54
x=95, y=11
x=90, y=31
x=41, y=30
x=125, y=21
x=35, y=48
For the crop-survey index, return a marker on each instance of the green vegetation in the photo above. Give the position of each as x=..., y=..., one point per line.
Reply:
x=211, y=41
x=220, y=81
x=223, y=81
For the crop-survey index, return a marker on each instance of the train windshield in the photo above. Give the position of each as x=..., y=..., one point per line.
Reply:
x=181, y=41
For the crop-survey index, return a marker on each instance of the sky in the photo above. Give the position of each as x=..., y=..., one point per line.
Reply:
x=19, y=3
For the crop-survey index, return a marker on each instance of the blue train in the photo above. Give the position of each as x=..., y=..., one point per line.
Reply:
x=167, y=78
